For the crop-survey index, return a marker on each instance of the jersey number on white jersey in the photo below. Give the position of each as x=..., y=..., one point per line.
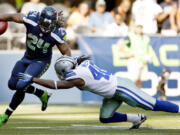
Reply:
x=98, y=73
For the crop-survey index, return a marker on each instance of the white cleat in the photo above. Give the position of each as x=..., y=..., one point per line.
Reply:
x=138, y=123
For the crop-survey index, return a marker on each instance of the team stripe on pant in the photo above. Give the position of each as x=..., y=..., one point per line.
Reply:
x=135, y=97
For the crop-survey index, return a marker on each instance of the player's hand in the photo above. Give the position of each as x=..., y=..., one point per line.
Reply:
x=25, y=77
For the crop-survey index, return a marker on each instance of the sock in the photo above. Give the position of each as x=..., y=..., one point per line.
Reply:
x=133, y=117
x=117, y=117
x=166, y=106
x=32, y=90
x=9, y=111
x=39, y=92
x=15, y=102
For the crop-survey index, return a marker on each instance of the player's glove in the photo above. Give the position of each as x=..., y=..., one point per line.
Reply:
x=25, y=77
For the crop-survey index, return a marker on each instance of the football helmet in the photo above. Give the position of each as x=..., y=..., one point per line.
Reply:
x=64, y=65
x=47, y=19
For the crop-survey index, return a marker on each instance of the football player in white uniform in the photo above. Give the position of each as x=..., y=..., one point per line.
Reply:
x=85, y=75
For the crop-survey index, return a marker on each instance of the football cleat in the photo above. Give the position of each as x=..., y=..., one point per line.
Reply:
x=138, y=123
x=44, y=100
x=3, y=119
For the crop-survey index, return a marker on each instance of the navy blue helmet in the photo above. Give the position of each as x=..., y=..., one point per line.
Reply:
x=47, y=19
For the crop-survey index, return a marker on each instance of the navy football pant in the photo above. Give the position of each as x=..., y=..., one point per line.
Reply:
x=33, y=68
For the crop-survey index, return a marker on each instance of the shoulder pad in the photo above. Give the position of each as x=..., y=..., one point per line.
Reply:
x=31, y=18
x=59, y=35
x=33, y=14
x=62, y=33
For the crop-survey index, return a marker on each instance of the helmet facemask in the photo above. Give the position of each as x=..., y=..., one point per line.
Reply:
x=47, y=20
x=46, y=25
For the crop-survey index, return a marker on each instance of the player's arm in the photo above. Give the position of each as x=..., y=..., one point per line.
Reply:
x=63, y=84
x=64, y=49
x=17, y=17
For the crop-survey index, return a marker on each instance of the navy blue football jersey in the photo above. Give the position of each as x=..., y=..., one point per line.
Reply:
x=39, y=45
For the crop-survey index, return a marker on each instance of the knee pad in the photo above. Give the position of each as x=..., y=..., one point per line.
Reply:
x=12, y=84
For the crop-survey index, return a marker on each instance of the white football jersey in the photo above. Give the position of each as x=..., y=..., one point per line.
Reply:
x=96, y=80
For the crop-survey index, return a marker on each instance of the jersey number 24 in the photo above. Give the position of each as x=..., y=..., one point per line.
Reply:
x=34, y=42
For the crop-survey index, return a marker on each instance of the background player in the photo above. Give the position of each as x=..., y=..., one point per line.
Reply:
x=162, y=82
x=44, y=30
x=85, y=75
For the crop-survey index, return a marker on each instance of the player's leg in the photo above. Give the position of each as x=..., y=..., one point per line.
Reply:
x=35, y=69
x=108, y=114
x=107, y=111
x=133, y=96
x=43, y=95
x=18, y=96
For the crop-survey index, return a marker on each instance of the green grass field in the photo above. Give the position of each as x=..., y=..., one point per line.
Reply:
x=83, y=120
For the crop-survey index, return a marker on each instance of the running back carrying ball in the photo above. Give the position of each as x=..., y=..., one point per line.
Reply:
x=3, y=27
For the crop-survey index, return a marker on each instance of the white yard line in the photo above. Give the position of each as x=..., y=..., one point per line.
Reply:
x=33, y=127
x=58, y=117
x=116, y=126
x=90, y=127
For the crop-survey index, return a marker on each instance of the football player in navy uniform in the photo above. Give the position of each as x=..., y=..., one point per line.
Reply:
x=44, y=30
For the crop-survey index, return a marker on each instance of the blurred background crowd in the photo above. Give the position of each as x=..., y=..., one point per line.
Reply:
x=99, y=18
x=132, y=21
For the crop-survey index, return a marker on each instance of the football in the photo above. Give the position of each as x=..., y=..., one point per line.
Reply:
x=3, y=27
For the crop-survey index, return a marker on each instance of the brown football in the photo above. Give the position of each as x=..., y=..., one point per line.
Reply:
x=3, y=27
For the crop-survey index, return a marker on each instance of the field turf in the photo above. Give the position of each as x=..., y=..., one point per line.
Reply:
x=83, y=120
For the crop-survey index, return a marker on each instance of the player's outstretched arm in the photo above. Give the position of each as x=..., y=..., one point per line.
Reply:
x=64, y=49
x=18, y=17
x=63, y=84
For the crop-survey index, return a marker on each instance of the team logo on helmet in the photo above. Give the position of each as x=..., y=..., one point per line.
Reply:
x=64, y=65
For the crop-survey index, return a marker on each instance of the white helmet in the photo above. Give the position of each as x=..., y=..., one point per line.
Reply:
x=63, y=65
